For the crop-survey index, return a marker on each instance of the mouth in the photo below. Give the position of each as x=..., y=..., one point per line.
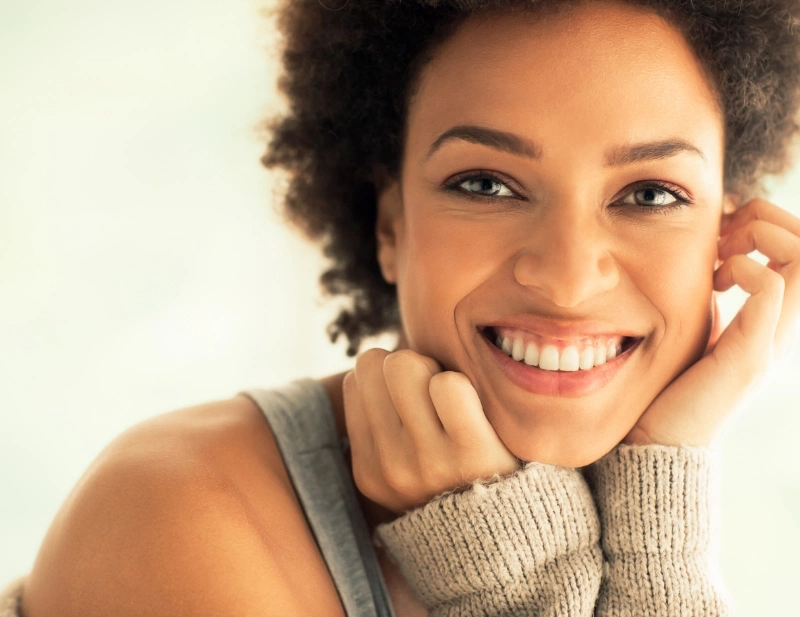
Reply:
x=568, y=368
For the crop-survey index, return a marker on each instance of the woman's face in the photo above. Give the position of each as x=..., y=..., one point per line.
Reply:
x=561, y=189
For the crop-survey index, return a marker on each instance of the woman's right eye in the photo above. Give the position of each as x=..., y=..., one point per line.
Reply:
x=485, y=186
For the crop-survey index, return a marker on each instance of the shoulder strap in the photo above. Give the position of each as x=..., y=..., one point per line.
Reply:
x=301, y=419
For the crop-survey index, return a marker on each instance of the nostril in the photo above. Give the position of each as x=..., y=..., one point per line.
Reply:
x=567, y=281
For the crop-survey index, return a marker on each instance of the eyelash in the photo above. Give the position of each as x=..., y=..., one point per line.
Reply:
x=681, y=199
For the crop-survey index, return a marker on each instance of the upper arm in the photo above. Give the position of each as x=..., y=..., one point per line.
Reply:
x=173, y=519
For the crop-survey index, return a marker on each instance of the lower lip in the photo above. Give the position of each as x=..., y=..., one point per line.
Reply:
x=571, y=384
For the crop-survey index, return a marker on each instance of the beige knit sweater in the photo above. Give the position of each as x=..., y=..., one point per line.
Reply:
x=633, y=541
x=533, y=543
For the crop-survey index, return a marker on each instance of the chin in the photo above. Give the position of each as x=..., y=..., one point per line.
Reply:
x=576, y=452
x=562, y=438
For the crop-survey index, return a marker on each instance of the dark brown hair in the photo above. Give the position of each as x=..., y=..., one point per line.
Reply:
x=349, y=66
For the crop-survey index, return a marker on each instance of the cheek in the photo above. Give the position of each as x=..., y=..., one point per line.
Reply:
x=676, y=275
x=442, y=263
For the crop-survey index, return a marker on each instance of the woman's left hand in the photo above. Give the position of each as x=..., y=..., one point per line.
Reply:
x=693, y=408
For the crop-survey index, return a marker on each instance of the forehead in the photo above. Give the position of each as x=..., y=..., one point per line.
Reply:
x=597, y=72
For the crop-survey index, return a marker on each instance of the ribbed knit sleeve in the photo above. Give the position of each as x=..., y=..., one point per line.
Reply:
x=526, y=544
x=655, y=513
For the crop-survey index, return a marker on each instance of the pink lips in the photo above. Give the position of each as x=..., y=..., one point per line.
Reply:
x=570, y=384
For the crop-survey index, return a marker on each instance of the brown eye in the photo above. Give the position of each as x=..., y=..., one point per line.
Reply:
x=485, y=186
x=650, y=196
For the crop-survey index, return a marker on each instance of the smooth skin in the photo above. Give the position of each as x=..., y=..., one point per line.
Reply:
x=561, y=240
x=564, y=239
x=192, y=513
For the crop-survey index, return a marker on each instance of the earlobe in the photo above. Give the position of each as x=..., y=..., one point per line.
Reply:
x=389, y=217
x=730, y=203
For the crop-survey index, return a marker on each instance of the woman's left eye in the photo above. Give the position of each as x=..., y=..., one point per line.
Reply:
x=485, y=186
x=652, y=197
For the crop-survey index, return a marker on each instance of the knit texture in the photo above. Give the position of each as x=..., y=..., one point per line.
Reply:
x=529, y=544
x=526, y=544
x=655, y=514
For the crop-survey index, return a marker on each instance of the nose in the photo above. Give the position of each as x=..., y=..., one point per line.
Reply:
x=567, y=260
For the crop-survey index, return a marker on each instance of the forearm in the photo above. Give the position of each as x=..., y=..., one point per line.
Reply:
x=655, y=511
x=527, y=544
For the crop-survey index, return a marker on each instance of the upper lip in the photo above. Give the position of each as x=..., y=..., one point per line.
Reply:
x=562, y=329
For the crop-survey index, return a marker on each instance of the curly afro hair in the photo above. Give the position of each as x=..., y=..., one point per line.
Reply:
x=350, y=67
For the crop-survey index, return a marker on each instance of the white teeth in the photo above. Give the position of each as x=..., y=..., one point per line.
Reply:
x=531, y=355
x=548, y=358
x=518, y=350
x=587, y=359
x=600, y=355
x=569, y=359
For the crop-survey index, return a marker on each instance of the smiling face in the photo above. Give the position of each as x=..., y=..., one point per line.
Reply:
x=561, y=188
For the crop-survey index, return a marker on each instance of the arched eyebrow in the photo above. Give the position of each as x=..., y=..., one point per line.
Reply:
x=649, y=151
x=499, y=140
x=617, y=156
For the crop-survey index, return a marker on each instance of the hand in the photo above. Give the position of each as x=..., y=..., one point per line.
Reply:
x=416, y=431
x=692, y=409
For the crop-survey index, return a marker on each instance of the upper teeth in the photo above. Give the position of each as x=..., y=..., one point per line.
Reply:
x=549, y=358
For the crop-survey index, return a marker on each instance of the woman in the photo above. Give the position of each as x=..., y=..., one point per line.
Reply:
x=542, y=199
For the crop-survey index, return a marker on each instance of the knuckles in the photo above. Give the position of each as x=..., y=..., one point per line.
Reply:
x=448, y=382
x=367, y=361
x=758, y=208
x=368, y=368
x=404, y=489
x=775, y=284
x=397, y=471
x=408, y=362
x=349, y=383
x=451, y=379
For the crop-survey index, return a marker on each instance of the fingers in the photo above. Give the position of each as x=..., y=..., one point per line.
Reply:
x=358, y=430
x=773, y=232
x=375, y=399
x=397, y=409
x=460, y=410
x=762, y=210
x=758, y=317
x=407, y=376
x=777, y=243
x=466, y=425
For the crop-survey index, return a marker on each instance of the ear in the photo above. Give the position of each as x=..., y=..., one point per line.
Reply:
x=730, y=203
x=389, y=222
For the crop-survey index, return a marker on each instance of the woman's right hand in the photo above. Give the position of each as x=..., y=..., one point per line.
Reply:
x=416, y=431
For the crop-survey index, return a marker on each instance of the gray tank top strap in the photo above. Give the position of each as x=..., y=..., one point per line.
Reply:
x=301, y=419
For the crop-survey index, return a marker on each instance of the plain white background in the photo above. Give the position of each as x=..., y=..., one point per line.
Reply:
x=142, y=267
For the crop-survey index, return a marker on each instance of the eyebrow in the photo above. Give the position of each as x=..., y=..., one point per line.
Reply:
x=499, y=140
x=617, y=156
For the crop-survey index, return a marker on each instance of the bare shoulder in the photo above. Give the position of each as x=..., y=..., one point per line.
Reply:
x=187, y=513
